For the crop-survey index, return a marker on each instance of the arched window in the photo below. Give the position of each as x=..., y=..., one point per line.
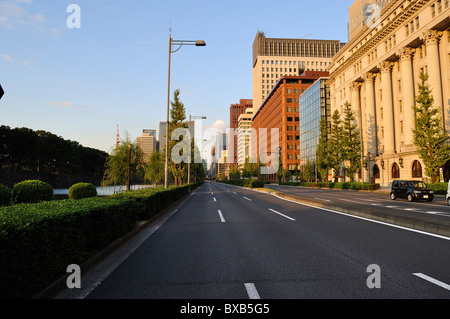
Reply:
x=376, y=171
x=416, y=170
x=395, y=171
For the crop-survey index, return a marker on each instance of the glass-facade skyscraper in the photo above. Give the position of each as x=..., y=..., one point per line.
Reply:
x=314, y=104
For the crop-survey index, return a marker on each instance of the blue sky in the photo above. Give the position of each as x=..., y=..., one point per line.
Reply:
x=80, y=83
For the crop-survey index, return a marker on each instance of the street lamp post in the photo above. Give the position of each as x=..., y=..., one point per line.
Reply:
x=190, y=159
x=180, y=43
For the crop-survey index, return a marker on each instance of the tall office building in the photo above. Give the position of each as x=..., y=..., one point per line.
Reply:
x=274, y=58
x=364, y=13
x=378, y=73
x=314, y=105
x=244, y=137
x=280, y=111
x=147, y=142
x=162, y=134
x=235, y=111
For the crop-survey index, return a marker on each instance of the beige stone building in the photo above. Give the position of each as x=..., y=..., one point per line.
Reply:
x=274, y=58
x=378, y=73
x=147, y=142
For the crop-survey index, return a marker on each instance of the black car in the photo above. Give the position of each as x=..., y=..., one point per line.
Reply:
x=411, y=190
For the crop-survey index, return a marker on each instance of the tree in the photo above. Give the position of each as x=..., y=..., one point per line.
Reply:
x=428, y=135
x=235, y=174
x=334, y=145
x=250, y=169
x=351, y=142
x=197, y=169
x=129, y=156
x=154, y=170
x=323, y=156
x=178, y=120
x=309, y=170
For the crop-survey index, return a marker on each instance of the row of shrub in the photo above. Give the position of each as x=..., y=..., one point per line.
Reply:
x=35, y=191
x=249, y=182
x=39, y=241
x=439, y=188
x=344, y=185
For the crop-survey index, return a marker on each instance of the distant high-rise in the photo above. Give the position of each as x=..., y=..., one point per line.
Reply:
x=162, y=135
x=235, y=111
x=364, y=13
x=274, y=58
x=147, y=142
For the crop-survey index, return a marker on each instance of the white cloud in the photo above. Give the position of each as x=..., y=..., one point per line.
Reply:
x=7, y=58
x=218, y=125
x=27, y=63
x=12, y=13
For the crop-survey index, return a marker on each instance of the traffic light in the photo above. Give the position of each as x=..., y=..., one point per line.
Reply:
x=1, y=92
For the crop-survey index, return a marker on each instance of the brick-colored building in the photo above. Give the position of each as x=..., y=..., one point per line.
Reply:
x=235, y=111
x=280, y=111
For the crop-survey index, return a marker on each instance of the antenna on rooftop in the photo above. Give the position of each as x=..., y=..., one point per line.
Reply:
x=307, y=36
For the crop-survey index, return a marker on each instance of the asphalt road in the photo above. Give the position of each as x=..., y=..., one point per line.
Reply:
x=226, y=242
x=437, y=211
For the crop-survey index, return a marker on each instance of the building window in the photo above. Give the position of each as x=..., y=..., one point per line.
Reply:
x=290, y=128
x=395, y=171
x=376, y=171
x=289, y=100
x=289, y=91
x=290, y=119
x=416, y=170
x=290, y=137
x=289, y=109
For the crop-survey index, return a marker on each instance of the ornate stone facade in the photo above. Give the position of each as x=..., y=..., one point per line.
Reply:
x=378, y=73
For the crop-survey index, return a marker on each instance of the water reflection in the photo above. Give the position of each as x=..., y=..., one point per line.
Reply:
x=104, y=191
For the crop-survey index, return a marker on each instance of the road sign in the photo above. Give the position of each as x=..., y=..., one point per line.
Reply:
x=1, y=92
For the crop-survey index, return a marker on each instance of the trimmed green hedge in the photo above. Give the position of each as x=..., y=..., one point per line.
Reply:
x=439, y=188
x=346, y=185
x=82, y=190
x=5, y=195
x=32, y=191
x=154, y=200
x=251, y=183
x=39, y=241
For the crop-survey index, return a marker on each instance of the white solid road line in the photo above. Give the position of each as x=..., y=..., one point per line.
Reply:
x=248, y=199
x=274, y=211
x=252, y=292
x=366, y=219
x=221, y=216
x=434, y=281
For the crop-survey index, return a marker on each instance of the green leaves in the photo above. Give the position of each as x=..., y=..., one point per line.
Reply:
x=428, y=135
x=32, y=191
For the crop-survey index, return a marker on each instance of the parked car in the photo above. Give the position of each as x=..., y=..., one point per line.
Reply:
x=447, y=198
x=411, y=190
